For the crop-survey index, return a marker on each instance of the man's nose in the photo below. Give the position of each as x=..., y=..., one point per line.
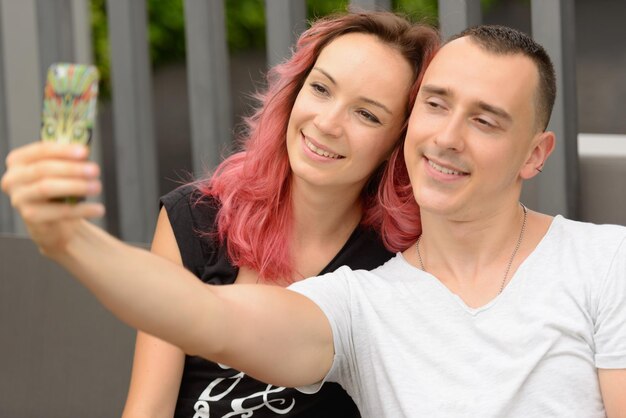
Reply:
x=452, y=133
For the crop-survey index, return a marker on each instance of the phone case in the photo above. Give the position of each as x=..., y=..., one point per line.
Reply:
x=69, y=103
x=69, y=106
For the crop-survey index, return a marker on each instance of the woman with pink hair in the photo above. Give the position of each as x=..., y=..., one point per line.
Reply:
x=308, y=193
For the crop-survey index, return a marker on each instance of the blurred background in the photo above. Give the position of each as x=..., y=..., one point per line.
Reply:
x=149, y=138
x=600, y=63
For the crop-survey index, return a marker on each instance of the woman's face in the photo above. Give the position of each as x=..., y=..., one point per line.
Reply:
x=349, y=113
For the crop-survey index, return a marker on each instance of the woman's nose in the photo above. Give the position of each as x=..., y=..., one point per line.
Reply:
x=329, y=121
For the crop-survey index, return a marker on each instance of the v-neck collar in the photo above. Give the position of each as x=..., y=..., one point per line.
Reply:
x=510, y=287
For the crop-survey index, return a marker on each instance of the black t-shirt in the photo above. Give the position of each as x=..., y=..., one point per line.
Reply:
x=211, y=390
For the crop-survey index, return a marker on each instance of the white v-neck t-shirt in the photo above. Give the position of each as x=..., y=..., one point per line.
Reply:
x=405, y=346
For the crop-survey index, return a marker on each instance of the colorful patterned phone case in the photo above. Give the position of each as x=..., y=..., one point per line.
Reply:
x=69, y=106
x=69, y=103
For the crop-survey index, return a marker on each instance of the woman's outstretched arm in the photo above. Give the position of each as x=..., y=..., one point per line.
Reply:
x=256, y=329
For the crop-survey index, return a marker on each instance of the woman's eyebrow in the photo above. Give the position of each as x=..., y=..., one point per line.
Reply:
x=364, y=99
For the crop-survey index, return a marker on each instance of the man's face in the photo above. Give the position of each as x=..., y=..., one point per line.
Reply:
x=472, y=130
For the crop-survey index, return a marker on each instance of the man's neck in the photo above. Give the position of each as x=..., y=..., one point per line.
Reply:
x=471, y=256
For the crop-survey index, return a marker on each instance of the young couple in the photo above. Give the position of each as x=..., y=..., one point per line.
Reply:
x=487, y=308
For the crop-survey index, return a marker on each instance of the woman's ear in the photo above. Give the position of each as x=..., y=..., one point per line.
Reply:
x=543, y=145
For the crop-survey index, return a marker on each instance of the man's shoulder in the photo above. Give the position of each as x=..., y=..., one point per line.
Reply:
x=589, y=232
x=345, y=275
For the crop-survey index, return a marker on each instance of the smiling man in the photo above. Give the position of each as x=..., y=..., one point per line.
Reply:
x=496, y=311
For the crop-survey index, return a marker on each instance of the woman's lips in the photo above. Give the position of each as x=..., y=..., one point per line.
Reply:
x=319, y=150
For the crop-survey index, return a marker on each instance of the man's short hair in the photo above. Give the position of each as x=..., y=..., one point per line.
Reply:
x=503, y=40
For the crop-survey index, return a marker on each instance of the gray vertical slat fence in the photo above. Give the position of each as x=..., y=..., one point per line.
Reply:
x=557, y=188
x=21, y=73
x=371, y=4
x=285, y=21
x=456, y=15
x=6, y=212
x=54, y=20
x=208, y=81
x=134, y=139
x=81, y=25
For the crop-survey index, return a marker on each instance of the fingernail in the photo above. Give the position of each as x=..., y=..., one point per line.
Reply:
x=93, y=187
x=91, y=169
x=79, y=151
x=99, y=210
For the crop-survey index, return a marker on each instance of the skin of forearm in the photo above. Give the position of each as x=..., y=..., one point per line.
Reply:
x=257, y=329
x=143, y=290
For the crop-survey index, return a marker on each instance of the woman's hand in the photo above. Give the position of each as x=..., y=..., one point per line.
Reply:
x=38, y=177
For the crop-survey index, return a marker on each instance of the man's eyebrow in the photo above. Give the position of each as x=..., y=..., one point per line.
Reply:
x=439, y=91
x=444, y=92
x=364, y=99
x=495, y=110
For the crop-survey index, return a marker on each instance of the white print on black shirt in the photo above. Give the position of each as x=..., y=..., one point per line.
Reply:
x=253, y=402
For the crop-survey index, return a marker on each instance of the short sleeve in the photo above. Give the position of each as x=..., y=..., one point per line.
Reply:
x=331, y=292
x=610, y=325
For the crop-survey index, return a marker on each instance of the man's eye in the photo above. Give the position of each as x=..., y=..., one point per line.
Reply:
x=484, y=122
x=432, y=104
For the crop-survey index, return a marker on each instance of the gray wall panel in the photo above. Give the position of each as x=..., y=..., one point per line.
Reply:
x=286, y=20
x=135, y=149
x=456, y=15
x=371, y=4
x=62, y=354
x=208, y=83
x=6, y=211
x=557, y=189
x=22, y=87
x=56, y=35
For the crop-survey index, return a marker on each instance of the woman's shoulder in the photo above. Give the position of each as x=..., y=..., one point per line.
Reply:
x=192, y=215
x=189, y=206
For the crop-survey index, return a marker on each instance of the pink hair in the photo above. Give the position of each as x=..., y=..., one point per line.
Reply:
x=253, y=186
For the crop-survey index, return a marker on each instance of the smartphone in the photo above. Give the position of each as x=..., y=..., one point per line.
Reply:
x=69, y=105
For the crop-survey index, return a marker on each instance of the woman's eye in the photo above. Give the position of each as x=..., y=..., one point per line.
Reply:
x=368, y=116
x=319, y=88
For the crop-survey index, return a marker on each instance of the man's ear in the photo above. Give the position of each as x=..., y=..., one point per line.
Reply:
x=543, y=145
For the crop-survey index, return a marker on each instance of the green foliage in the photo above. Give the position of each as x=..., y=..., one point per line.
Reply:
x=100, y=41
x=245, y=25
x=166, y=31
x=319, y=8
x=427, y=10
